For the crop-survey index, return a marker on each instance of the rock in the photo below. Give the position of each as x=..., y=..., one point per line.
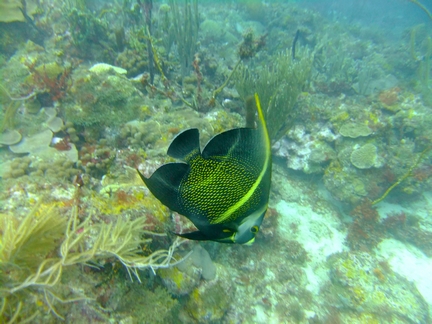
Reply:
x=104, y=67
x=201, y=259
x=180, y=282
x=33, y=144
x=209, y=302
x=10, y=137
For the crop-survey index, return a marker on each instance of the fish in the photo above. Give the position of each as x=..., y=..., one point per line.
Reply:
x=293, y=46
x=223, y=189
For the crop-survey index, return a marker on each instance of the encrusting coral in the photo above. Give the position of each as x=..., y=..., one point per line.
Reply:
x=365, y=156
x=354, y=130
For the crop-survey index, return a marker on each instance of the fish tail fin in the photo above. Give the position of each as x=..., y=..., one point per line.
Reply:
x=185, y=145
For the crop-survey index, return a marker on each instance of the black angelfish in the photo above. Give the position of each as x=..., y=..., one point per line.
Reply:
x=224, y=189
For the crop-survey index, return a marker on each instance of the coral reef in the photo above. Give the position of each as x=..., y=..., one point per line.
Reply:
x=361, y=283
x=132, y=62
x=97, y=92
x=306, y=152
x=26, y=263
x=91, y=91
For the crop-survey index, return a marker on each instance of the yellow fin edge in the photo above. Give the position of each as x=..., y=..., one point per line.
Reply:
x=246, y=197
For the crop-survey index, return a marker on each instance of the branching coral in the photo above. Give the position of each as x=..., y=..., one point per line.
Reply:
x=405, y=176
x=185, y=25
x=50, y=78
x=278, y=86
x=422, y=7
x=424, y=63
x=28, y=265
x=121, y=240
x=24, y=250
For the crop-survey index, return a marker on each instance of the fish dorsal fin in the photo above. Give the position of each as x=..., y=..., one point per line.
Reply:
x=185, y=145
x=165, y=182
x=225, y=143
x=241, y=141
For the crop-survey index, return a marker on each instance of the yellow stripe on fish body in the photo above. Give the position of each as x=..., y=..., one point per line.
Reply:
x=217, y=192
x=253, y=189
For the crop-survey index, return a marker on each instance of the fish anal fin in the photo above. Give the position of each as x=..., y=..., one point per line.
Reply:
x=184, y=144
x=221, y=237
x=197, y=236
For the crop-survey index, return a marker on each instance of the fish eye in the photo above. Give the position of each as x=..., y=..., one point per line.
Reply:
x=254, y=229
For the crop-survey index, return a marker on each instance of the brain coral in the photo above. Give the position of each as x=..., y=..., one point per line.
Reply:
x=364, y=157
x=355, y=130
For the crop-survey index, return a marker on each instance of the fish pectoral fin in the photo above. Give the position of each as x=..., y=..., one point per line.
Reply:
x=184, y=144
x=164, y=183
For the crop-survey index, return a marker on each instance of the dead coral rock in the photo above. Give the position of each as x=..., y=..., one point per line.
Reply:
x=210, y=301
x=355, y=130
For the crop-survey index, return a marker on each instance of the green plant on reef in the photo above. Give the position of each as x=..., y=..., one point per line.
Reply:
x=185, y=25
x=79, y=4
x=86, y=28
x=424, y=68
x=30, y=269
x=165, y=32
x=424, y=71
x=405, y=176
x=24, y=249
x=278, y=86
x=334, y=62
